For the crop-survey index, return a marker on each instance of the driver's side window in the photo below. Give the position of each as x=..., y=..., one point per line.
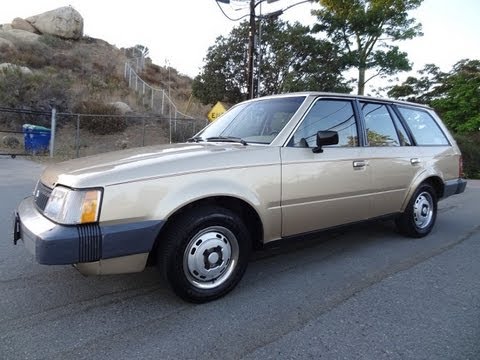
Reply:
x=335, y=115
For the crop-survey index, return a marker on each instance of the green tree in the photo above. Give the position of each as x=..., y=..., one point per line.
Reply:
x=460, y=104
x=366, y=29
x=224, y=74
x=292, y=60
x=423, y=89
x=454, y=95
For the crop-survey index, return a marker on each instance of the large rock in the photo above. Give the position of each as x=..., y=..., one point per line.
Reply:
x=21, y=24
x=4, y=43
x=65, y=22
x=16, y=35
x=121, y=107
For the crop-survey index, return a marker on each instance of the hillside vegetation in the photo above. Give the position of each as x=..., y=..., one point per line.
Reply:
x=46, y=62
x=80, y=76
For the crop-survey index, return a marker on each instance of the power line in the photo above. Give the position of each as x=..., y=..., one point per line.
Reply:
x=228, y=17
x=301, y=2
x=274, y=13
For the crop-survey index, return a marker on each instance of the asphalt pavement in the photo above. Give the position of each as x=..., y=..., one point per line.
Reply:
x=364, y=292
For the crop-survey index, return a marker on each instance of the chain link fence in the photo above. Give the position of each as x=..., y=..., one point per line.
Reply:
x=78, y=135
x=155, y=99
x=13, y=140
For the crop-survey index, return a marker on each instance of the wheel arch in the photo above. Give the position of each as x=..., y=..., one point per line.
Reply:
x=434, y=180
x=437, y=183
x=242, y=208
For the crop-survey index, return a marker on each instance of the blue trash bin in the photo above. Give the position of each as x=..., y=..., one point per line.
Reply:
x=37, y=138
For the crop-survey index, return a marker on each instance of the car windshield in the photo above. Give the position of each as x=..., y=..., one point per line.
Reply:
x=258, y=121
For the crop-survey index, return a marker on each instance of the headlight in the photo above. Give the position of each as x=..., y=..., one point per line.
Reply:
x=71, y=207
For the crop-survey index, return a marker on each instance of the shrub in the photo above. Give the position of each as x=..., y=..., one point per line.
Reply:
x=39, y=91
x=103, y=124
x=64, y=61
x=470, y=146
x=55, y=42
x=7, y=53
x=34, y=55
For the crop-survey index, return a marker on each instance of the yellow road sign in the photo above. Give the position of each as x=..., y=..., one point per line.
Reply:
x=217, y=110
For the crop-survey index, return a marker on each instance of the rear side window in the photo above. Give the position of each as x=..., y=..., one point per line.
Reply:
x=336, y=115
x=379, y=124
x=402, y=133
x=424, y=128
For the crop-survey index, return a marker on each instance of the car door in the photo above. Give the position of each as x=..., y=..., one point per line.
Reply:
x=393, y=161
x=321, y=190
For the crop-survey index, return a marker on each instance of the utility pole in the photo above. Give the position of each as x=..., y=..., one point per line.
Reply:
x=251, y=40
x=259, y=52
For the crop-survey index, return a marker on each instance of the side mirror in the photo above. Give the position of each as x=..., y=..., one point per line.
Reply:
x=325, y=138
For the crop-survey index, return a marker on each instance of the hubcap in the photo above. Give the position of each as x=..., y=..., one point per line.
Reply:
x=423, y=210
x=210, y=257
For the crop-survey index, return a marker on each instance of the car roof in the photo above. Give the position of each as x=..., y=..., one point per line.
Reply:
x=345, y=96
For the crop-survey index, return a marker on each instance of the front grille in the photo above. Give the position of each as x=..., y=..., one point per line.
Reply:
x=41, y=196
x=89, y=242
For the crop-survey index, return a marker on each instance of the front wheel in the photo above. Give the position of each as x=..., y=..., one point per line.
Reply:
x=420, y=214
x=204, y=253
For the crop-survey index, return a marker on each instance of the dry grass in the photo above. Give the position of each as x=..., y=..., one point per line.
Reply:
x=94, y=70
x=71, y=143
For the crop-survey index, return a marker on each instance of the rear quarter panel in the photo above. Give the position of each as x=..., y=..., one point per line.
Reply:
x=436, y=161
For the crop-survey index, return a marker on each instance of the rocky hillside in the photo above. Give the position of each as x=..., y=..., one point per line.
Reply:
x=45, y=61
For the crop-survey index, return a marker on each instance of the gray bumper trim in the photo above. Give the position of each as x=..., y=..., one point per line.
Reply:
x=452, y=187
x=54, y=244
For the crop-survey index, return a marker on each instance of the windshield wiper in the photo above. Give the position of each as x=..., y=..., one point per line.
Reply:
x=195, y=139
x=227, y=139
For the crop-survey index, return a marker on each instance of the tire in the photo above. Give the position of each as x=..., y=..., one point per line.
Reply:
x=420, y=214
x=204, y=253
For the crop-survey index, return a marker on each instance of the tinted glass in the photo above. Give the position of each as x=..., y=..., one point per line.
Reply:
x=257, y=121
x=379, y=125
x=336, y=115
x=402, y=133
x=423, y=127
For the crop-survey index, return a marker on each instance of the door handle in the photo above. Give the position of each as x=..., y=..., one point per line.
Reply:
x=359, y=164
x=414, y=161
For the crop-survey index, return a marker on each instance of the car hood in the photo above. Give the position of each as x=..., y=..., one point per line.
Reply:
x=153, y=162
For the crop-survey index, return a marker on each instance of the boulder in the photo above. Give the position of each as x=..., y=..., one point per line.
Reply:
x=23, y=69
x=15, y=35
x=121, y=107
x=64, y=22
x=21, y=24
x=5, y=43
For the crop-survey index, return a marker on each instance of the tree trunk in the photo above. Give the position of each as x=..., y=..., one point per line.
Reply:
x=361, y=80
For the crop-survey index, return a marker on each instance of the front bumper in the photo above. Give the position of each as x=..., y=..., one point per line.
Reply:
x=54, y=244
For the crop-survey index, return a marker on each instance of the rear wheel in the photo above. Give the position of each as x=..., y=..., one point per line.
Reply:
x=204, y=253
x=420, y=214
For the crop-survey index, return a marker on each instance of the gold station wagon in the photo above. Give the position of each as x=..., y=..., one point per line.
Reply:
x=271, y=168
